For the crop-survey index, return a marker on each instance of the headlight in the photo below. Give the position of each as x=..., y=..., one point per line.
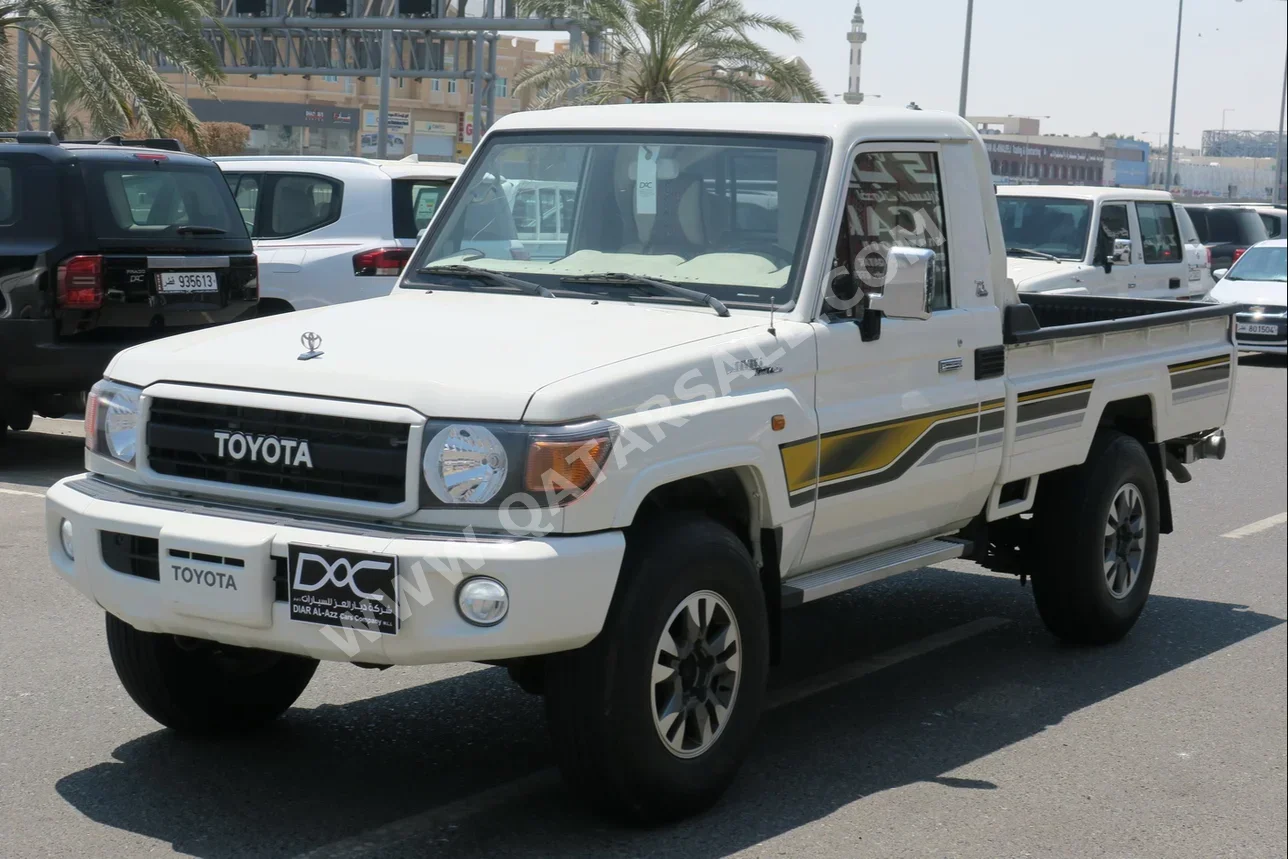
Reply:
x=112, y=421
x=465, y=464
x=471, y=464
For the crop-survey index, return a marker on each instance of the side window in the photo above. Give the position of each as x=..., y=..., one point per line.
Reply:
x=525, y=213
x=894, y=200
x=8, y=196
x=1114, y=224
x=245, y=188
x=301, y=203
x=1273, y=226
x=1158, y=233
x=549, y=212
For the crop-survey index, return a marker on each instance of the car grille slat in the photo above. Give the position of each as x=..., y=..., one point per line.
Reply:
x=357, y=459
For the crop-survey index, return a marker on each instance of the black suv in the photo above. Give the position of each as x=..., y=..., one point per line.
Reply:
x=104, y=244
x=1227, y=231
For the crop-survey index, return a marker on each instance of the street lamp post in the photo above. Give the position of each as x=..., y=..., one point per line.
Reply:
x=1176, y=74
x=970, y=15
x=1279, y=196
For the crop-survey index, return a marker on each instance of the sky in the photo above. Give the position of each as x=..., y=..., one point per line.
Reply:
x=1091, y=65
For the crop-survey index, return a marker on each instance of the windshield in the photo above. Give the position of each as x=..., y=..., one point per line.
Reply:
x=159, y=198
x=725, y=214
x=1047, y=225
x=1261, y=264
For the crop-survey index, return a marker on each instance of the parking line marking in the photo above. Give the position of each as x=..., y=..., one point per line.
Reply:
x=1262, y=525
x=380, y=840
x=4, y=491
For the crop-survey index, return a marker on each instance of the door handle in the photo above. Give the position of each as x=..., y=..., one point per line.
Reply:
x=1174, y=283
x=948, y=365
x=1131, y=286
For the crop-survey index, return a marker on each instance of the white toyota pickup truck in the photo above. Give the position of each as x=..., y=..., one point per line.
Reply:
x=777, y=357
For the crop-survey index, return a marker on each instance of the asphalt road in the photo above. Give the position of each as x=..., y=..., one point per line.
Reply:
x=928, y=716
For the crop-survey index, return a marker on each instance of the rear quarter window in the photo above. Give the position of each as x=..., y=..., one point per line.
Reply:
x=300, y=203
x=28, y=199
x=414, y=204
x=155, y=198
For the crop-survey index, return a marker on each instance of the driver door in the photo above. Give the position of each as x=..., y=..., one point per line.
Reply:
x=1120, y=280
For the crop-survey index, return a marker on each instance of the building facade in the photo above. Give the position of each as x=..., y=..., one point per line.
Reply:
x=334, y=115
x=1019, y=154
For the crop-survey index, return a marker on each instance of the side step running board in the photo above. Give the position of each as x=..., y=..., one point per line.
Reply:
x=853, y=574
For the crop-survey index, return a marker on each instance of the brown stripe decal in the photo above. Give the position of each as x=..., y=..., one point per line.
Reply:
x=1200, y=375
x=1058, y=390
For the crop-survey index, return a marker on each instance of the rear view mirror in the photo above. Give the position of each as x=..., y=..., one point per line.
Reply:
x=909, y=284
x=1220, y=273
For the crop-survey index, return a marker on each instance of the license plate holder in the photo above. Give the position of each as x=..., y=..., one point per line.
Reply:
x=187, y=282
x=342, y=587
x=222, y=577
x=1255, y=328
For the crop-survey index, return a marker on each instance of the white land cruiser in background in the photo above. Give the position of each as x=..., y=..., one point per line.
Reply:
x=612, y=470
x=1124, y=242
x=330, y=229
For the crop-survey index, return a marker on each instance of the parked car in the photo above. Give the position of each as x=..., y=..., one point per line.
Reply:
x=612, y=472
x=1227, y=231
x=1275, y=219
x=104, y=244
x=1258, y=283
x=1101, y=241
x=333, y=229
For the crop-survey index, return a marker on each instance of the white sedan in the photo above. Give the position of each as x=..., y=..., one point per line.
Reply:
x=1259, y=282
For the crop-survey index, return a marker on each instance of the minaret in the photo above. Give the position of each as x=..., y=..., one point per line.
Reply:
x=856, y=38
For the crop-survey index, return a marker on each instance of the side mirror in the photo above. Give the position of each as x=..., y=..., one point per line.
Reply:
x=909, y=284
x=420, y=234
x=1220, y=273
x=1121, y=252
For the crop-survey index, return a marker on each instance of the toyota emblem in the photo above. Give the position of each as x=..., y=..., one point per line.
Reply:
x=310, y=341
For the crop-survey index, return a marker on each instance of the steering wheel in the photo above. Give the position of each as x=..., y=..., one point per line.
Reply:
x=780, y=257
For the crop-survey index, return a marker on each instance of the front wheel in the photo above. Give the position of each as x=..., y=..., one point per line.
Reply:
x=1100, y=525
x=652, y=719
x=203, y=687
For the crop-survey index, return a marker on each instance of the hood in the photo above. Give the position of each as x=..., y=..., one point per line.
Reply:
x=1270, y=293
x=443, y=353
x=1042, y=275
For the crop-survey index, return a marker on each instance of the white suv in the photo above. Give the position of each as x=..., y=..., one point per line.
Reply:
x=331, y=229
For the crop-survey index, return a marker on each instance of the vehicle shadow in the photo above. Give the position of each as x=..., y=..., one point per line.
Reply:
x=1262, y=359
x=40, y=459
x=332, y=772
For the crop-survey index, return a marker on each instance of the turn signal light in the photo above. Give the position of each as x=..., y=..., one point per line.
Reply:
x=386, y=262
x=80, y=283
x=565, y=467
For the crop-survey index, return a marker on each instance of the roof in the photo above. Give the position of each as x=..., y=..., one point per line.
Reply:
x=1082, y=192
x=342, y=165
x=1272, y=243
x=839, y=121
x=103, y=152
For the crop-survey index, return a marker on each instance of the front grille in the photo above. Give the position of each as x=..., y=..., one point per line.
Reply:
x=351, y=458
x=131, y=554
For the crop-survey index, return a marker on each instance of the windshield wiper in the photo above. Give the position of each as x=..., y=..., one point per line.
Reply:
x=1029, y=252
x=662, y=286
x=469, y=272
x=198, y=230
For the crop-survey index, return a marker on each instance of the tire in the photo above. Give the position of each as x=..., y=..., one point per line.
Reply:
x=602, y=701
x=207, y=688
x=1081, y=599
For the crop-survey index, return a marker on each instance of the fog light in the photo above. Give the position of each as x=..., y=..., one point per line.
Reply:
x=482, y=601
x=65, y=531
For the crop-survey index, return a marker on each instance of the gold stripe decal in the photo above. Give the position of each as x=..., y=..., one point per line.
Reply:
x=1200, y=363
x=1058, y=391
x=851, y=453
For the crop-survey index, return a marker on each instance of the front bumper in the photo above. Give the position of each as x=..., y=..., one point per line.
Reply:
x=1261, y=332
x=560, y=587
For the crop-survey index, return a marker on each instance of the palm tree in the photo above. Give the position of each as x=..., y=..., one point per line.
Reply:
x=105, y=50
x=667, y=50
x=64, y=113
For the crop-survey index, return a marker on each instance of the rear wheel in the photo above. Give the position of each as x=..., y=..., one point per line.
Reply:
x=1099, y=527
x=203, y=687
x=652, y=719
